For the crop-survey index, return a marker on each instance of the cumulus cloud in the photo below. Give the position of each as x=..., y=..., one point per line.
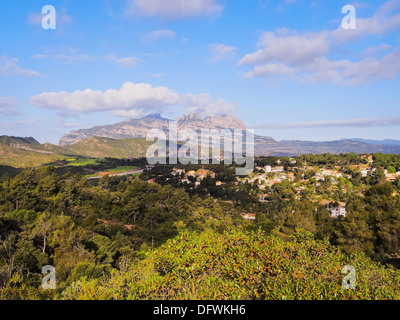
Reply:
x=131, y=96
x=288, y=47
x=173, y=9
x=308, y=55
x=133, y=99
x=386, y=19
x=351, y=73
x=203, y=103
x=221, y=51
x=9, y=67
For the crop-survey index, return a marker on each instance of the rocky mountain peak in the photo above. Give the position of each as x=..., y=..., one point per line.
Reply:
x=138, y=128
x=157, y=116
x=191, y=117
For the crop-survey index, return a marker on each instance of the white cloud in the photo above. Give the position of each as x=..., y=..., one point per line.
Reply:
x=270, y=69
x=385, y=20
x=133, y=99
x=156, y=75
x=68, y=56
x=7, y=106
x=69, y=125
x=72, y=56
x=159, y=34
x=288, y=47
x=174, y=9
x=9, y=67
x=221, y=51
x=125, y=62
x=131, y=96
x=204, y=104
x=350, y=73
x=62, y=19
x=35, y=18
x=360, y=122
x=371, y=51
x=11, y=125
x=360, y=5
x=307, y=55
x=262, y=4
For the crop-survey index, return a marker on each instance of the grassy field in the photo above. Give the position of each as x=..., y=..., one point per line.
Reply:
x=81, y=161
x=122, y=169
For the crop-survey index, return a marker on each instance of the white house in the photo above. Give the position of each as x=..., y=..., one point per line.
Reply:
x=249, y=216
x=336, y=212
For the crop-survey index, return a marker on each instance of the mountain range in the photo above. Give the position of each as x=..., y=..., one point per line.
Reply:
x=263, y=145
x=137, y=128
x=127, y=139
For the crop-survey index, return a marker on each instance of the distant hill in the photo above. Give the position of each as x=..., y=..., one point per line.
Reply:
x=127, y=139
x=268, y=146
x=17, y=141
x=27, y=152
x=100, y=147
x=385, y=142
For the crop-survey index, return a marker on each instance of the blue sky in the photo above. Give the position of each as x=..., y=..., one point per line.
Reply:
x=287, y=68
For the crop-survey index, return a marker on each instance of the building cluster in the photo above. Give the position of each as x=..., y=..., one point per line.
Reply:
x=270, y=175
x=265, y=179
x=197, y=175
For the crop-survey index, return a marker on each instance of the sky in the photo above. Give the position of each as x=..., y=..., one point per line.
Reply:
x=289, y=69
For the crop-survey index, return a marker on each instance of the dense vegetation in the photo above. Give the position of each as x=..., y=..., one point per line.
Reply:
x=126, y=238
x=237, y=265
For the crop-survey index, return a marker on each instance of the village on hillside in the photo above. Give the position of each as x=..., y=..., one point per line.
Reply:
x=325, y=185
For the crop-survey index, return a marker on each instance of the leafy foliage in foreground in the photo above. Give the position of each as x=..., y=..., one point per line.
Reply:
x=240, y=265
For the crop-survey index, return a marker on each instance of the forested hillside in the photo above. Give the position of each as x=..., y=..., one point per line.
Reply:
x=129, y=238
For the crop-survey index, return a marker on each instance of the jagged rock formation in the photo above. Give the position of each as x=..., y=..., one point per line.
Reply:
x=137, y=128
x=195, y=122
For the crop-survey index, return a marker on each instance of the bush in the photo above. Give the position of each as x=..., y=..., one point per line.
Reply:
x=239, y=265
